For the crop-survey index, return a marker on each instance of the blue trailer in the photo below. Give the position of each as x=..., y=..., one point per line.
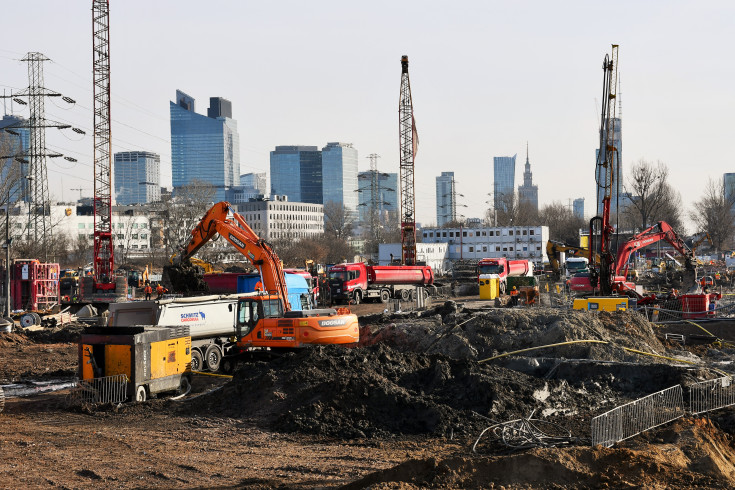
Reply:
x=298, y=289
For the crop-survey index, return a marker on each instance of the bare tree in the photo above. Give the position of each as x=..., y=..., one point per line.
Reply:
x=649, y=197
x=713, y=214
x=337, y=221
x=563, y=224
x=511, y=211
x=183, y=212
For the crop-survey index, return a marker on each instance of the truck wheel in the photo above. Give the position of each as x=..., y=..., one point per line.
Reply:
x=357, y=297
x=213, y=357
x=140, y=394
x=384, y=296
x=502, y=288
x=196, y=360
x=405, y=294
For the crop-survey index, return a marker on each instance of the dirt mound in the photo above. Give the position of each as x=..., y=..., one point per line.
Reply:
x=375, y=391
x=13, y=338
x=379, y=391
x=692, y=453
x=67, y=333
x=459, y=333
x=186, y=279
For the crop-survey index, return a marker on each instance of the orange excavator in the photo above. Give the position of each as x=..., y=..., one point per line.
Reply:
x=265, y=319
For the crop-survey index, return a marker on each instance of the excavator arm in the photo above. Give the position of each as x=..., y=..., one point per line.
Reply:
x=222, y=220
x=553, y=249
x=649, y=236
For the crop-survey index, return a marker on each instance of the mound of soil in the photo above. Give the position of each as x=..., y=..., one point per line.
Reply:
x=379, y=391
x=185, y=278
x=691, y=453
x=462, y=334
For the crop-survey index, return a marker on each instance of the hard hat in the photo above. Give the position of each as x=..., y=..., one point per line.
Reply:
x=514, y=288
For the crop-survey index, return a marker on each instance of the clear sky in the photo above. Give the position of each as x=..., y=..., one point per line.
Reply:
x=486, y=77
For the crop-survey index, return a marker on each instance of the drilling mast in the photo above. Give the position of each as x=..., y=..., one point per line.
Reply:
x=104, y=259
x=409, y=142
x=602, y=274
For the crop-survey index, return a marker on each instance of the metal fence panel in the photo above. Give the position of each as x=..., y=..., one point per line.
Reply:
x=637, y=416
x=711, y=395
x=110, y=389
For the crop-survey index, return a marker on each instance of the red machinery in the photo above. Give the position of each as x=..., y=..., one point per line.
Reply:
x=502, y=268
x=34, y=286
x=358, y=281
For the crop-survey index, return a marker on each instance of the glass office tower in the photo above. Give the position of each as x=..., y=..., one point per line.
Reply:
x=446, y=206
x=296, y=172
x=206, y=148
x=15, y=140
x=504, y=175
x=137, y=177
x=339, y=176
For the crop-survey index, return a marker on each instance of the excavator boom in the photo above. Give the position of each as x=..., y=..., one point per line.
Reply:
x=222, y=220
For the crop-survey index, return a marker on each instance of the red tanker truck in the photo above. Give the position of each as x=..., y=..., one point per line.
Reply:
x=500, y=268
x=359, y=281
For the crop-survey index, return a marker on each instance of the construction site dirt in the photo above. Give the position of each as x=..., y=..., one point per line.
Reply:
x=401, y=410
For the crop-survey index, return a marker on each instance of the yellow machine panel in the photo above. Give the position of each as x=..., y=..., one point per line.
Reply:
x=170, y=357
x=117, y=360
x=87, y=369
x=611, y=303
x=489, y=288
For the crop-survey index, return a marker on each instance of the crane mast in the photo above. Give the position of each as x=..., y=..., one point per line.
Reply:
x=104, y=259
x=409, y=141
x=602, y=271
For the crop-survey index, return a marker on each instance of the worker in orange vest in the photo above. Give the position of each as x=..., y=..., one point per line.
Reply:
x=514, y=296
x=160, y=290
x=148, y=291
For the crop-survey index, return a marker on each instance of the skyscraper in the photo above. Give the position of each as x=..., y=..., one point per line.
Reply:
x=528, y=193
x=296, y=172
x=578, y=207
x=137, y=177
x=206, y=148
x=255, y=181
x=504, y=175
x=339, y=176
x=14, y=139
x=386, y=194
x=446, y=193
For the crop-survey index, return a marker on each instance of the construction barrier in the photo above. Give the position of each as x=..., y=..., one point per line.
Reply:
x=109, y=389
x=711, y=395
x=631, y=419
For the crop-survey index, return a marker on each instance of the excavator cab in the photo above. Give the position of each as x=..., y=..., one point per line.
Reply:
x=248, y=314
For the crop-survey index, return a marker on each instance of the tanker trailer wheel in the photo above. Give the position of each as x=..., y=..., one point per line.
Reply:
x=405, y=294
x=384, y=296
x=213, y=357
x=29, y=319
x=140, y=394
x=196, y=360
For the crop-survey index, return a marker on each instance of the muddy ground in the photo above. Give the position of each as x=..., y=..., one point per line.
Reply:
x=402, y=410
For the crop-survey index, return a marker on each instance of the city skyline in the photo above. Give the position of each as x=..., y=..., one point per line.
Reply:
x=347, y=89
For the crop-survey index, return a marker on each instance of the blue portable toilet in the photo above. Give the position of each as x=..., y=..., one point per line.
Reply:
x=298, y=289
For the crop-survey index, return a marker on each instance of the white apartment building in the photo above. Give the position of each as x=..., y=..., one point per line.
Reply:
x=512, y=242
x=281, y=218
x=432, y=254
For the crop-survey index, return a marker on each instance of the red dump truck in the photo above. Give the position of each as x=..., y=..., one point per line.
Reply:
x=359, y=281
x=500, y=268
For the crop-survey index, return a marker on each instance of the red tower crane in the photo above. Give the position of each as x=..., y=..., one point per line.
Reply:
x=104, y=259
x=409, y=142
